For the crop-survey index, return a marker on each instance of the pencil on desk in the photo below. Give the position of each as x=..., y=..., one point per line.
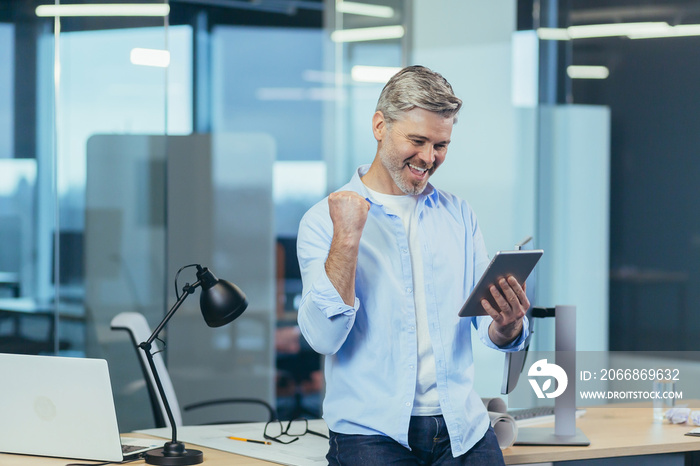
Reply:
x=262, y=442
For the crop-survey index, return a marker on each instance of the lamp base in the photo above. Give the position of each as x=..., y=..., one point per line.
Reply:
x=174, y=454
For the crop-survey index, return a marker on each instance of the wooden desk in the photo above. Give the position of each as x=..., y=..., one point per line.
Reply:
x=615, y=430
x=211, y=458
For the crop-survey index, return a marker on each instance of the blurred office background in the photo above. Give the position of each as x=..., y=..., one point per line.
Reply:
x=200, y=132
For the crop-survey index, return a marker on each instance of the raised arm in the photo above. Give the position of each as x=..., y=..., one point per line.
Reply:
x=348, y=211
x=327, y=247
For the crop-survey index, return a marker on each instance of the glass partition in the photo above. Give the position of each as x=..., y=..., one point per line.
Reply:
x=7, y=55
x=266, y=95
x=648, y=80
x=365, y=50
x=633, y=62
x=132, y=145
x=70, y=76
x=108, y=252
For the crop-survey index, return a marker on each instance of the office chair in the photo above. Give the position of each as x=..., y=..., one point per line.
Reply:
x=137, y=327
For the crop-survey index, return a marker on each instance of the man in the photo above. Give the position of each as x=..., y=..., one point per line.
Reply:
x=387, y=262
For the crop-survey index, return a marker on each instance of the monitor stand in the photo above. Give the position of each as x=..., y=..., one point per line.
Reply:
x=565, y=432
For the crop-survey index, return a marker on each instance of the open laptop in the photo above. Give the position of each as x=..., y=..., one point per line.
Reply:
x=62, y=407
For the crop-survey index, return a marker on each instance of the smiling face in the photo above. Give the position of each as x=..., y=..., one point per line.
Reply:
x=409, y=151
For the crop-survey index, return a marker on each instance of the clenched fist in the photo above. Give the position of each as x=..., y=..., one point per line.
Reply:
x=348, y=212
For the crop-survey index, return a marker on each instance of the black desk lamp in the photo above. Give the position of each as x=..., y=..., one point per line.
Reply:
x=221, y=302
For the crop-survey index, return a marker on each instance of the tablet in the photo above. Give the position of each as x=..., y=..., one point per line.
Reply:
x=519, y=264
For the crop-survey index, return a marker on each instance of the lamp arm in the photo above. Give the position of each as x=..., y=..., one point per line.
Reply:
x=146, y=347
x=186, y=291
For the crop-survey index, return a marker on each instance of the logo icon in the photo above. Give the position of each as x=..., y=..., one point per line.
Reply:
x=542, y=368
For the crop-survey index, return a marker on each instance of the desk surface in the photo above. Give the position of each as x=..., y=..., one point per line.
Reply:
x=211, y=458
x=614, y=430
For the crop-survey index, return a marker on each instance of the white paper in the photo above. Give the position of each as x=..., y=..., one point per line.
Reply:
x=503, y=423
x=308, y=450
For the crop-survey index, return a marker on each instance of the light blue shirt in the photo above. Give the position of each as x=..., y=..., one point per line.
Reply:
x=371, y=347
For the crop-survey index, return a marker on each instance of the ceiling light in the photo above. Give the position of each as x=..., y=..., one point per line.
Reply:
x=587, y=72
x=365, y=9
x=104, y=9
x=365, y=34
x=553, y=34
x=373, y=74
x=682, y=30
x=614, y=29
x=150, y=57
x=603, y=30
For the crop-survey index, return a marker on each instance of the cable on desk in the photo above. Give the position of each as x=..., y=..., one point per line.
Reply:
x=139, y=457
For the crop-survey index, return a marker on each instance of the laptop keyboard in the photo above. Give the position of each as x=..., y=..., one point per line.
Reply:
x=529, y=413
x=126, y=449
x=537, y=415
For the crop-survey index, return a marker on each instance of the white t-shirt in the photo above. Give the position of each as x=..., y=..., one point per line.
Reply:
x=426, y=402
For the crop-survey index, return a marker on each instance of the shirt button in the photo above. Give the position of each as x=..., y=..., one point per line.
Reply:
x=412, y=327
x=408, y=290
x=411, y=366
x=408, y=403
x=405, y=251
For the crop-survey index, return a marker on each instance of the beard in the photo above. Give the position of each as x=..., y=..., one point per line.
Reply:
x=396, y=167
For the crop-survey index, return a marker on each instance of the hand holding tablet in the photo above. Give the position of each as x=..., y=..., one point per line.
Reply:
x=518, y=264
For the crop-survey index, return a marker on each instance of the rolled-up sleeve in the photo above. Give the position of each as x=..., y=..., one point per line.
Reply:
x=324, y=319
x=327, y=299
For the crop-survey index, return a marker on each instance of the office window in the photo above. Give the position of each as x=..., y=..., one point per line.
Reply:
x=268, y=83
x=103, y=92
x=650, y=87
x=265, y=80
x=17, y=199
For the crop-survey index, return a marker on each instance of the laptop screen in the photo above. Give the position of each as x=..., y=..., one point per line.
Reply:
x=57, y=406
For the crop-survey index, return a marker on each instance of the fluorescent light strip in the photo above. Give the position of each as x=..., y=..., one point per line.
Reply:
x=604, y=30
x=104, y=9
x=373, y=74
x=365, y=34
x=553, y=34
x=683, y=30
x=150, y=57
x=587, y=72
x=614, y=29
x=365, y=9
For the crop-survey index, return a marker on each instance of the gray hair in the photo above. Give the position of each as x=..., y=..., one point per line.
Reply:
x=417, y=86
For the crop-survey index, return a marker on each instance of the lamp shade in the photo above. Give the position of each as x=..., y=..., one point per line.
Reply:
x=220, y=301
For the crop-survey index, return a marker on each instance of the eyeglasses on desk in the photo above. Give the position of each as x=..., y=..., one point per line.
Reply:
x=278, y=431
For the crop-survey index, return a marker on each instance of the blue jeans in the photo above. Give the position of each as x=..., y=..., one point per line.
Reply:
x=429, y=442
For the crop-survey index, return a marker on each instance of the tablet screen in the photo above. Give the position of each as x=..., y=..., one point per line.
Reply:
x=519, y=264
